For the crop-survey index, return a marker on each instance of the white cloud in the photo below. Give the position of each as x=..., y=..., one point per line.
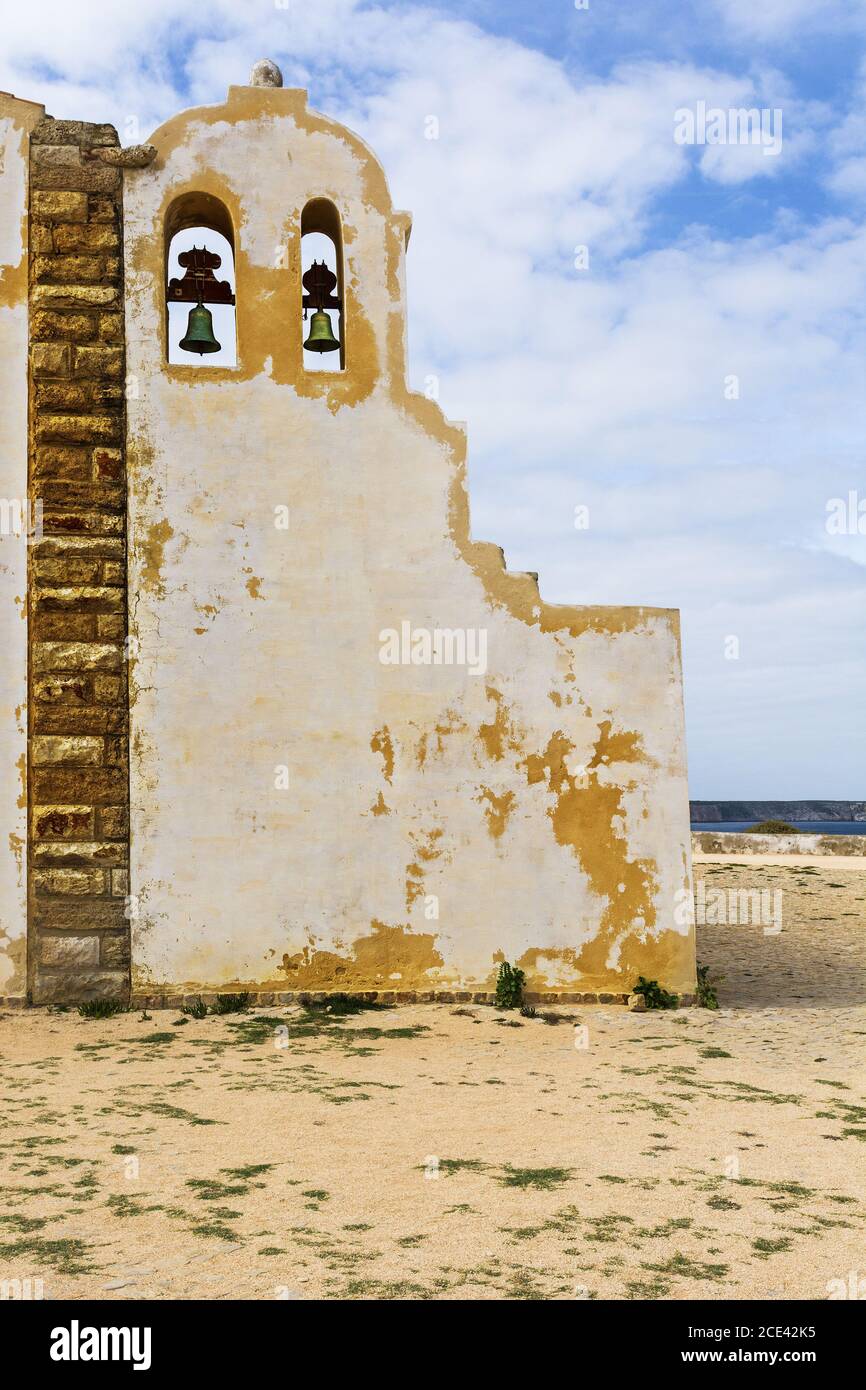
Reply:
x=604, y=387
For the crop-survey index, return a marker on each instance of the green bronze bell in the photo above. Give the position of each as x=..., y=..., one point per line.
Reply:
x=321, y=337
x=199, y=332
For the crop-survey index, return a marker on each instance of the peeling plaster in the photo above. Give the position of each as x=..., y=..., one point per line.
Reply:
x=574, y=804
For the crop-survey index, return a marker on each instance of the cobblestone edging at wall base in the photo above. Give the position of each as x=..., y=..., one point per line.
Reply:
x=78, y=721
x=263, y=999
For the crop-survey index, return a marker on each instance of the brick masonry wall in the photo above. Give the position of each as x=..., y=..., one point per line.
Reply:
x=78, y=772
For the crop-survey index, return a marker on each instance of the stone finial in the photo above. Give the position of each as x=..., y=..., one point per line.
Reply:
x=132, y=157
x=265, y=73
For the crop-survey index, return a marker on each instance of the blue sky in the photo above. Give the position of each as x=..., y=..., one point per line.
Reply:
x=608, y=386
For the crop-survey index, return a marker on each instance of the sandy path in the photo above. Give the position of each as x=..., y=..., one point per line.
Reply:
x=427, y=1152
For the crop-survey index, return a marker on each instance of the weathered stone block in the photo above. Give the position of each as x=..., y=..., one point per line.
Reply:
x=78, y=752
x=119, y=883
x=95, y=786
x=82, y=719
x=42, y=238
x=63, y=690
x=63, y=627
x=59, y=207
x=73, y=882
x=80, y=914
x=69, y=952
x=50, y=359
x=63, y=822
x=115, y=949
x=108, y=547
x=111, y=327
x=54, y=156
x=76, y=656
x=107, y=464
x=73, y=296
x=102, y=209
x=84, y=429
x=68, y=270
x=112, y=822
x=111, y=625
x=87, y=134
x=76, y=987
x=70, y=327
x=73, y=854
x=70, y=461
x=78, y=522
x=68, y=569
x=87, y=178
x=98, y=361
x=82, y=598
x=69, y=237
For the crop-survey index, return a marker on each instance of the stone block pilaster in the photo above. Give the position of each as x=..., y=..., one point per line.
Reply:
x=78, y=777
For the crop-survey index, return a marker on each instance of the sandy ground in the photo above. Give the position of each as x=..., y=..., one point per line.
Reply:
x=432, y=1152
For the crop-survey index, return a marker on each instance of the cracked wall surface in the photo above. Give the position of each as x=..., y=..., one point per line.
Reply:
x=304, y=816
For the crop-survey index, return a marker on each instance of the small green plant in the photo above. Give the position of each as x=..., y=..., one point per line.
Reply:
x=144, y=1016
x=197, y=1009
x=707, y=998
x=773, y=827
x=102, y=1008
x=655, y=996
x=232, y=1003
x=341, y=1005
x=528, y=1011
x=509, y=986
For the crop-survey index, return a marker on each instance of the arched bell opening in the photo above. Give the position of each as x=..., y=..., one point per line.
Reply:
x=323, y=328
x=201, y=326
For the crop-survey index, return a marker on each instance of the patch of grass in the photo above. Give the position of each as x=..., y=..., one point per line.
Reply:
x=687, y=1268
x=544, y=1179
x=122, y=1149
x=102, y=1008
x=714, y=1052
x=723, y=1204
x=376, y=1034
x=764, y=1247
x=215, y=1230
x=342, y=1004
x=67, y=1256
x=197, y=1009
x=232, y=1003
x=528, y=1011
x=156, y=1038
x=212, y=1190
x=249, y=1170
x=459, y=1165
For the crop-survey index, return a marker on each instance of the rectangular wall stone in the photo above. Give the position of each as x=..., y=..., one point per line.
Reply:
x=78, y=779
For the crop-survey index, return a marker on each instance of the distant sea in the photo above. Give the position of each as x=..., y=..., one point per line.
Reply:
x=811, y=827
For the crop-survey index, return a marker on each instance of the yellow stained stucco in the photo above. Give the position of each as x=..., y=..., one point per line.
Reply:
x=304, y=816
